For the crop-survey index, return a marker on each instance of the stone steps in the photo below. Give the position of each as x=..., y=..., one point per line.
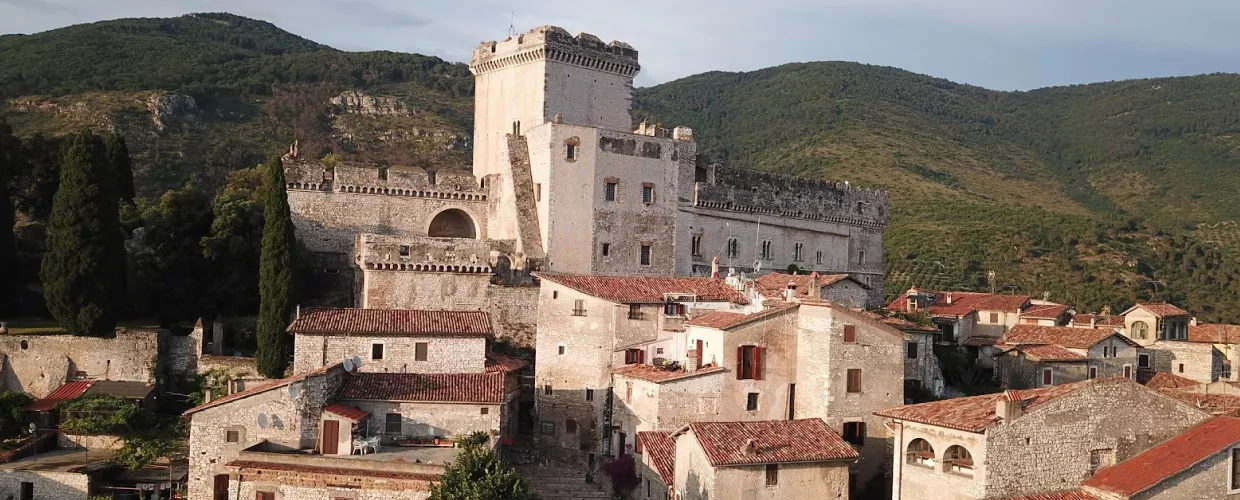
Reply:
x=555, y=483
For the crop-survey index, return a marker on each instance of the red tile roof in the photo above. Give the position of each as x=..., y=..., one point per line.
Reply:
x=976, y=413
x=963, y=303
x=656, y=374
x=774, y=284
x=1162, y=462
x=487, y=388
x=726, y=320
x=1214, y=333
x=66, y=392
x=647, y=289
x=1164, y=380
x=1045, y=311
x=1082, y=320
x=1048, y=352
x=1160, y=309
x=275, y=384
x=980, y=341
x=1057, y=495
x=391, y=322
x=330, y=471
x=1065, y=336
x=777, y=441
x=1217, y=404
x=901, y=324
x=504, y=364
x=347, y=412
x=660, y=450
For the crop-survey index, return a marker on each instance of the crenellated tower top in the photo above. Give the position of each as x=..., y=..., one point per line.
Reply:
x=555, y=44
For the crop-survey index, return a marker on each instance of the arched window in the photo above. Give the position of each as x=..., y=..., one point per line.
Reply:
x=452, y=223
x=921, y=453
x=958, y=460
x=1140, y=330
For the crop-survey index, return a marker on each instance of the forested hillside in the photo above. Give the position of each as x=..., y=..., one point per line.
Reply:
x=1097, y=194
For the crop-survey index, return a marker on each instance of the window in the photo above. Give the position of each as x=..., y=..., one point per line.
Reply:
x=854, y=380
x=854, y=433
x=751, y=401
x=766, y=250
x=645, y=255
x=695, y=246
x=391, y=423
x=861, y=257
x=265, y=495
x=555, y=294
x=570, y=152
x=1093, y=372
x=797, y=250
x=232, y=436
x=1127, y=371
x=376, y=351
x=1181, y=368
x=850, y=334
x=860, y=206
x=1143, y=360
x=911, y=347
x=546, y=427
x=1048, y=377
x=920, y=453
x=733, y=247
x=818, y=257
x=420, y=351
x=958, y=460
x=635, y=311
x=484, y=411
x=673, y=309
x=546, y=389
x=772, y=474
x=1140, y=330
x=647, y=194
x=561, y=350
x=537, y=191
x=27, y=492
x=609, y=191
x=634, y=356
x=994, y=317
x=1235, y=471
x=403, y=250
x=579, y=307
x=749, y=362
x=570, y=426
x=589, y=394
x=606, y=249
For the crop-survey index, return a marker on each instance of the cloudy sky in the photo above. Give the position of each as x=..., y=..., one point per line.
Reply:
x=1001, y=44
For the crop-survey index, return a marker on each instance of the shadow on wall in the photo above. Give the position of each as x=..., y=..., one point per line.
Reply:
x=452, y=223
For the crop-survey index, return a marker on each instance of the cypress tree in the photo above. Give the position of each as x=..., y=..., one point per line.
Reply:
x=10, y=155
x=118, y=158
x=276, y=273
x=84, y=268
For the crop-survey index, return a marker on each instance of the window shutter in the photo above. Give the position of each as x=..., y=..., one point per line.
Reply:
x=757, y=363
x=641, y=356
x=740, y=362
x=850, y=333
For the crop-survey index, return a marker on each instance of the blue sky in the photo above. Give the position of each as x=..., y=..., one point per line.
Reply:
x=999, y=44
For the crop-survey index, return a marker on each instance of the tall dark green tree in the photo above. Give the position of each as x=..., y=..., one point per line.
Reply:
x=118, y=158
x=276, y=276
x=10, y=156
x=83, y=270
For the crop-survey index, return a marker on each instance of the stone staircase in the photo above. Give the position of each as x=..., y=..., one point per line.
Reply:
x=553, y=483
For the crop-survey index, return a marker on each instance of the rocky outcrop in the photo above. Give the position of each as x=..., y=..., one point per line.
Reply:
x=172, y=111
x=360, y=103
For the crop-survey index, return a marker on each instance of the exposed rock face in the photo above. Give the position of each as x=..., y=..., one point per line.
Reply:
x=359, y=103
x=172, y=111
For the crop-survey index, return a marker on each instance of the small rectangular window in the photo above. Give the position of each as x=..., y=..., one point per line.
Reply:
x=265, y=495
x=861, y=257
x=634, y=356
x=749, y=362
x=772, y=474
x=606, y=249
x=404, y=250
x=854, y=380
x=570, y=152
x=420, y=351
x=232, y=436
x=1143, y=360
x=797, y=251
x=561, y=350
x=647, y=194
x=1181, y=368
x=579, y=307
x=818, y=257
x=850, y=334
x=609, y=191
x=635, y=311
x=1093, y=372
x=570, y=426
x=537, y=191
x=645, y=255
x=589, y=394
x=484, y=410
x=547, y=389
x=695, y=246
x=751, y=401
x=1127, y=371
x=376, y=351
x=391, y=423
x=1048, y=376
x=912, y=350
x=854, y=433
x=733, y=248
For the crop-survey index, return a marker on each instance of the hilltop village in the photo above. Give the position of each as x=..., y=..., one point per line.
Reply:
x=589, y=292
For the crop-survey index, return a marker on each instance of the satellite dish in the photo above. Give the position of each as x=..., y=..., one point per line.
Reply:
x=348, y=365
x=32, y=427
x=357, y=363
x=262, y=420
x=294, y=390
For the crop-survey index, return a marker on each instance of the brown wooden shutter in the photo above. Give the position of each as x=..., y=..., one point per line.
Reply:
x=740, y=362
x=698, y=347
x=850, y=333
x=757, y=363
x=641, y=356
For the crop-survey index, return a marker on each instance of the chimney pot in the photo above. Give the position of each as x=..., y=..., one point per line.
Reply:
x=1193, y=321
x=1008, y=407
x=749, y=448
x=206, y=395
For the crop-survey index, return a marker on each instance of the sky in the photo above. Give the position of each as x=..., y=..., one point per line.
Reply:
x=998, y=44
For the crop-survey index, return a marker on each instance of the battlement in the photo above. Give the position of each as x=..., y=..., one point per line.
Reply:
x=752, y=191
x=429, y=255
x=445, y=183
x=553, y=43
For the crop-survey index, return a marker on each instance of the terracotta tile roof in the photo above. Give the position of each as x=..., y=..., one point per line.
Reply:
x=647, y=289
x=1214, y=333
x=1057, y=495
x=777, y=441
x=504, y=364
x=391, y=322
x=975, y=413
x=1065, y=336
x=1048, y=352
x=1160, y=309
x=901, y=324
x=1082, y=320
x=66, y=392
x=774, y=284
x=1164, y=380
x=485, y=388
x=1045, y=311
x=725, y=320
x=656, y=374
x=1217, y=404
x=963, y=303
x=347, y=412
x=1162, y=462
x=660, y=450
x=330, y=471
x=980, y=341
x=275, y=384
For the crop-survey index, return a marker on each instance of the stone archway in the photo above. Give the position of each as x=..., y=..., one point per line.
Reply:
x=452, y=223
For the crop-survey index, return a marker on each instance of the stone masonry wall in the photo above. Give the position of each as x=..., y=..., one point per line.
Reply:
x=803, y=480
x=288, y=485
x=1208, y=479
x=47, y=485
x=917, y=481
x=328, y=221
x=1200, y=362
x=432, y=419
x=444, y=354
x=38, y=364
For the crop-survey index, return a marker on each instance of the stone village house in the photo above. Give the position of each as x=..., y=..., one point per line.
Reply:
x=1039, y=356
x=1202, y=462
x=962, y=316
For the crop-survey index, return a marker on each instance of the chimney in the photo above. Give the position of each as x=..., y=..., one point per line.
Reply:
x=1008, y=407
x=814, y=291
x=206, y=395
x=1193, y=321
x=749, y=448
x=1093, y=321
x=949, y=299
x=790, y=292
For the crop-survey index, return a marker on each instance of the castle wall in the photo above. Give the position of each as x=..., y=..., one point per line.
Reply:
x=38, y=364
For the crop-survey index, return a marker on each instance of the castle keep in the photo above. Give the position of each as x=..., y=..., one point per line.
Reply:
x=562, y=181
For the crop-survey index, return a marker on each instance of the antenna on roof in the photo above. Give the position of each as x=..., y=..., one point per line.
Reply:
x=512, y=23
x=262, y=420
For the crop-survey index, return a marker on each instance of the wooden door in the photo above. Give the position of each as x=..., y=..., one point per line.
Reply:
x=221, y=487
x=331, y=437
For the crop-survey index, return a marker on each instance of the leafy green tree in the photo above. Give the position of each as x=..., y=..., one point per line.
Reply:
x=118, y=157
x=13, y=413
x=478, y=474
x=233, y=245
x=10, y=157
x=36, y=179
x=276, y=276
x=171, y=274
x=83, y=269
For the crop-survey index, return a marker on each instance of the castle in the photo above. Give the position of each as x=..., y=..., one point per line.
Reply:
x=562, y=181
